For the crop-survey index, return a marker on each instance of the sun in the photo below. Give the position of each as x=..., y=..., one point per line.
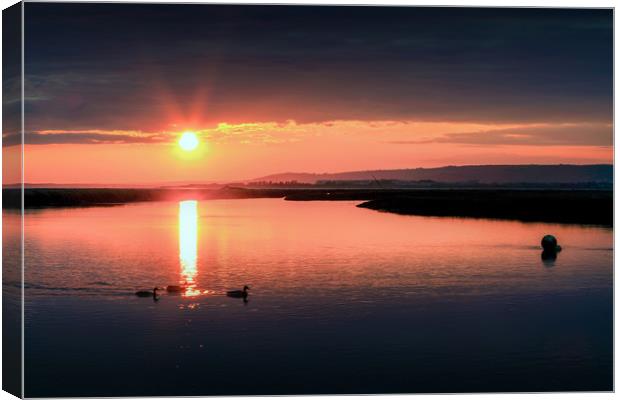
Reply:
x=188, y=141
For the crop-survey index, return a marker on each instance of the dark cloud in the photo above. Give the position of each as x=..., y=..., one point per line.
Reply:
x=570, y=135
x=124, y=66
x=35, y=138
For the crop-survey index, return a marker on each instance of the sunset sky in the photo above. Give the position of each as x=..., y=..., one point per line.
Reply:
x=111, y=87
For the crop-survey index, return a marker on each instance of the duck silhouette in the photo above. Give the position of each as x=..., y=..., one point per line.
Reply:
x=175, y=289
x=238, y=293
x=148, y=293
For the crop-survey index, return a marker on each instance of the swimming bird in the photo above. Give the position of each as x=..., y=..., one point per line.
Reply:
x=175, y=288
x=238, y=293
x=147, y=293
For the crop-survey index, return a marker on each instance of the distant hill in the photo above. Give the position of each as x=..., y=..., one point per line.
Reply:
x=487, y=174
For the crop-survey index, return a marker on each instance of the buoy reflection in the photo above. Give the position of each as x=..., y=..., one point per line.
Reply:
x=188, y=246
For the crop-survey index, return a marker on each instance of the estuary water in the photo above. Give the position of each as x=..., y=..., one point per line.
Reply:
x=342, y=300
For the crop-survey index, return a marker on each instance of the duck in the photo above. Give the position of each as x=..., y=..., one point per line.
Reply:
x=175, y=288
x=238, y=293
x=147, y=293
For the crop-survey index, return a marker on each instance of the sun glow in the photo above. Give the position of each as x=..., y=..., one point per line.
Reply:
x=188, y=141
x=188, y=246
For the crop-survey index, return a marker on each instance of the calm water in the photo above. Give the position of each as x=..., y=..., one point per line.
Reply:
x=343, y=300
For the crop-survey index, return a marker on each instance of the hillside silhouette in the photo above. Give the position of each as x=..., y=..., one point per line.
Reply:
x=485, y=174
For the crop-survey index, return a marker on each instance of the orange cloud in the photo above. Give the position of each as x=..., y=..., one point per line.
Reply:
x=396, y=132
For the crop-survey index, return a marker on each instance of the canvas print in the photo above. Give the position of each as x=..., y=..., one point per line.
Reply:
x=204, y=199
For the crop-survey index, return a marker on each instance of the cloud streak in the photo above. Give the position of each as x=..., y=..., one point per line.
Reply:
x=586, y=134
x=58, y=137
x=394, y=132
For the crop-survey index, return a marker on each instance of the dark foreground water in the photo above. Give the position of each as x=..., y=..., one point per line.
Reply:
x=343, y=300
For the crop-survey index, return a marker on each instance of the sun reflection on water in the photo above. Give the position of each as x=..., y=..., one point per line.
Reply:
x=188, y=246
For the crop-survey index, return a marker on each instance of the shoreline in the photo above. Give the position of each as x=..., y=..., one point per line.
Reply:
x=567, y=208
